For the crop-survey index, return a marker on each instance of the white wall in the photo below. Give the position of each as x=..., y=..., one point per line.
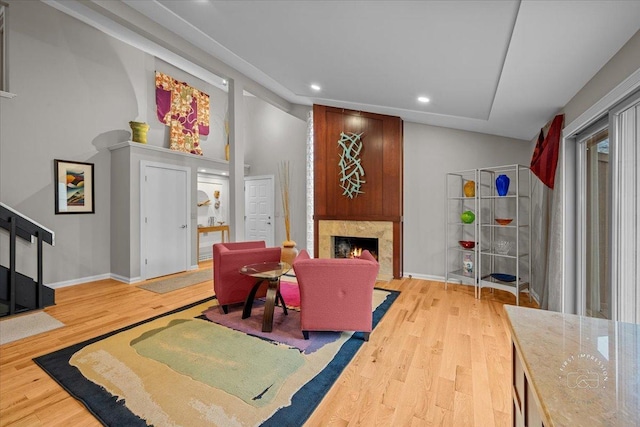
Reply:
x=603, y=91
x=77, y=91
x=624, y=63
x=429, y=153
x=273, y=136
x=76, y=94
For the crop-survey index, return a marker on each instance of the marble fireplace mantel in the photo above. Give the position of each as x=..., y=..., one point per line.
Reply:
x=381, y=230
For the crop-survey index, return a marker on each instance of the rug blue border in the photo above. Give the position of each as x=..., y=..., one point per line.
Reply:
x=111, y=412
x=102, y=404
x=307, y=399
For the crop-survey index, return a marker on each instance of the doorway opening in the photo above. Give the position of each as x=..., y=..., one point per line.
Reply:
x=597, y=233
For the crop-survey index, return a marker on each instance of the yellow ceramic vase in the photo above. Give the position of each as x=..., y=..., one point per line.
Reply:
x=469, y=189
x=289, y=251
x=139, y=132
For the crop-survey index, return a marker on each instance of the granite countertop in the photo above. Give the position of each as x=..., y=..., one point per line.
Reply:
x=585, y=371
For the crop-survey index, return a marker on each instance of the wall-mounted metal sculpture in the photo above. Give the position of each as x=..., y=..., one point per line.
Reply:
x=351, y=171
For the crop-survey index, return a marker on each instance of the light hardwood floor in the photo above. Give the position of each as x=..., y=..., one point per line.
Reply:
x=437, y=357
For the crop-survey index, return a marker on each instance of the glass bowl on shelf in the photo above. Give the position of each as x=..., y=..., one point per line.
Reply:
x=467, y=244
x=504, y=277
x=504, y=221
x=502, y=246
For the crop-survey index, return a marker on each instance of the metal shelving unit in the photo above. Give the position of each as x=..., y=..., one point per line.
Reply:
x=456, y=230
x=510, y=271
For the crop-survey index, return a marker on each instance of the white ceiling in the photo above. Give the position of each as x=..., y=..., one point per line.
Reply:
x=499, y=67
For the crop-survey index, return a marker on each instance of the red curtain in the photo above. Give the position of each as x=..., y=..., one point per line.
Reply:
x=545, y=156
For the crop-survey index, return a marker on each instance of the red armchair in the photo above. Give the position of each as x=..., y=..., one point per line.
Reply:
x=336, y=294
x=229, y=284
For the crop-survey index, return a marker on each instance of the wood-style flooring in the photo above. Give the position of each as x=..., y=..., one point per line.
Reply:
x=438, y=357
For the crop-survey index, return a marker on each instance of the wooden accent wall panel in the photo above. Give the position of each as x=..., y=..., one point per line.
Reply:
x=382, y=162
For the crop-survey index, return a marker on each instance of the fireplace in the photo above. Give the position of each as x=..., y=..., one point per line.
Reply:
x=352, y=247
x=377, y=211
x=380, y=231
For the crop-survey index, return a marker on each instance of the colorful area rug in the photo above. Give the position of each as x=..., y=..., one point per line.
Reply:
x=26, y=325
x=290, y=293
x=178, y=281
x=181, y=368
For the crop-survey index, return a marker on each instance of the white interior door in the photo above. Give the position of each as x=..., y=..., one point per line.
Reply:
x=259, y=209
x=164, y=214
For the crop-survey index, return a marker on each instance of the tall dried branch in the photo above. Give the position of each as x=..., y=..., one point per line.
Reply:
x=284, y=175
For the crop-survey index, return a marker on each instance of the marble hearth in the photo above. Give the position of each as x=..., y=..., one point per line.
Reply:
x=381, y=230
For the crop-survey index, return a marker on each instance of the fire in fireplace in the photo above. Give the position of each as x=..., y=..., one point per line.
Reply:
x=352, y=247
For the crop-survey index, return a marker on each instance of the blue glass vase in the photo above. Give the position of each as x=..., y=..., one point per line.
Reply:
x=502, y=185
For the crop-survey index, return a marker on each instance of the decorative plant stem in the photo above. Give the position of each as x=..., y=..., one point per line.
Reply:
x=284, y=176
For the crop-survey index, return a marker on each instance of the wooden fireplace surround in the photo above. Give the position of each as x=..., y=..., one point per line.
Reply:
x=382, y=161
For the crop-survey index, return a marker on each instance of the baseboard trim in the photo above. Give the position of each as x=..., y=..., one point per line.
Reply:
x=119, y=278
x=74, y=282
x=127, y=280
x=423, y=276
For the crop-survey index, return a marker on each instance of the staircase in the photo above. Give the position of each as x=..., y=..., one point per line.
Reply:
x=19, y=293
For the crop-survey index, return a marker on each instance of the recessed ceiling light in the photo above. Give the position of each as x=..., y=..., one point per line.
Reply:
x=315, y=87
x=423, y=99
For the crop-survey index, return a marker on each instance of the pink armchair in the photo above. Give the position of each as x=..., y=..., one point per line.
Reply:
x=229, y=284
x=336, y=294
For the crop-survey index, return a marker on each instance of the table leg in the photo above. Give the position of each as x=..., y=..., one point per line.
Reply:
x=284, y=307
x=273, y=293
x=248, y=303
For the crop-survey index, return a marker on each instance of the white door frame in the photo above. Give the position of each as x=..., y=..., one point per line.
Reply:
x=272, y=213
x=143, y=211
x=567, y=185
x=583, y=262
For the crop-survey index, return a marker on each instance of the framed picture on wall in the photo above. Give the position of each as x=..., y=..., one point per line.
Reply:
x=74, y=187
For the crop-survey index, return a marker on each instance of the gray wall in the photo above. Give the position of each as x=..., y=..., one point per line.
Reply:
x=273, y=136
x=562, y=287
x=125, y=236
x=78, y=89
x=429, y=153
x=75, y=91
x=624, y=63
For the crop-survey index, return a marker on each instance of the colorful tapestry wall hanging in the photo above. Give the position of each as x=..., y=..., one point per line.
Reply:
x=185, y=110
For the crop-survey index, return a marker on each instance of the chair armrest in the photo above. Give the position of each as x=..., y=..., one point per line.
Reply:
x=233, y=246
x=366, y=255
x=302, y=255
x=236, y=259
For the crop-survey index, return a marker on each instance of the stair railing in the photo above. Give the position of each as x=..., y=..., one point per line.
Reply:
x=20, y=225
